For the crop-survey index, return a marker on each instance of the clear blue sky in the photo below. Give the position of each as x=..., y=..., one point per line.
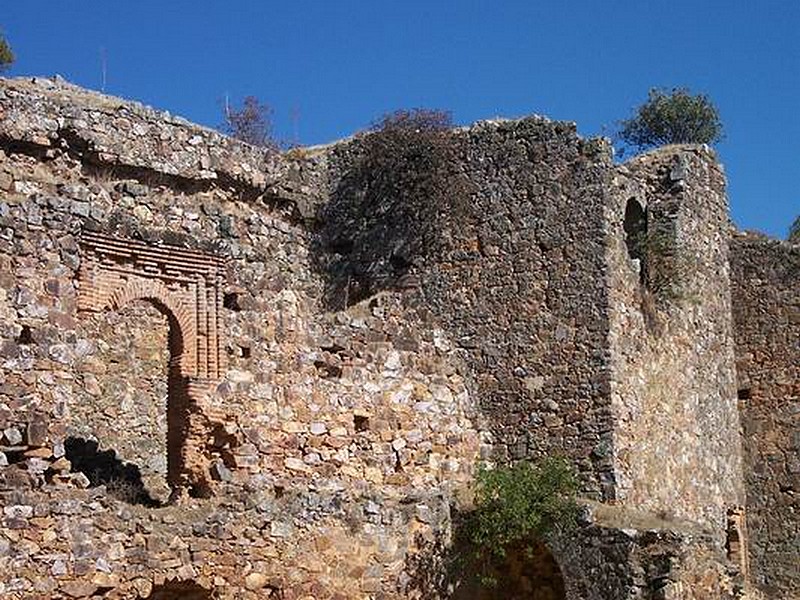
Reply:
x=330, y=67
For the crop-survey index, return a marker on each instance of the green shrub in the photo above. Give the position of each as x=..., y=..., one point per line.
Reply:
x=518, y=506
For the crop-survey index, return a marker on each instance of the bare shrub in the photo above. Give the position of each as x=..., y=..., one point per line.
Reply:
x=250, y=123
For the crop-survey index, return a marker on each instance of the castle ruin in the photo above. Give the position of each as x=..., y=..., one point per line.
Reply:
x=228, y=373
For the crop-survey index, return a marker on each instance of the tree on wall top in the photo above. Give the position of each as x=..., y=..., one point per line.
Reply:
x=6, y=55
x=672, y=117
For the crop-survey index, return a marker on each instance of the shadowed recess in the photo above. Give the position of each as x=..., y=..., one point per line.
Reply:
x=185, y=590
x=103, y=467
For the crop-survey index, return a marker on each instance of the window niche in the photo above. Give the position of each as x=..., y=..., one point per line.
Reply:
x=635, y=227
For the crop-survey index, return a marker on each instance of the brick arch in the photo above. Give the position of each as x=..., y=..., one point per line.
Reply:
x=186, y=286
x=170, y=304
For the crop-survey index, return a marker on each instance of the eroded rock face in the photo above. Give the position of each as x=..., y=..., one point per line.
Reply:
x=228, y=373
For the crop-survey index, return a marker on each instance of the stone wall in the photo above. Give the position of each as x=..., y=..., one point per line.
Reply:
x=636, y=554
x=766, y=309
x=327, y=443
x=232, y=372
x=677, y=446
x=517, y=283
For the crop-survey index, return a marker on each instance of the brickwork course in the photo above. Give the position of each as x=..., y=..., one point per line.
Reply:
x=234, y=373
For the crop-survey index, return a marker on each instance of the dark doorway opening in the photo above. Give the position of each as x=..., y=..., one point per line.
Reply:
x=529, y=572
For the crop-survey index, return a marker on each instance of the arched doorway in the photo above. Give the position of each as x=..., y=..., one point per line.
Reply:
x=132, y=421
x=178, y=405
x=184, y=286
x=177, y=398
x=529, y=572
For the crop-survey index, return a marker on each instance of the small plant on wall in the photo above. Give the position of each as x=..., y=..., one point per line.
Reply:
x=517, y=506
x=6, y=54
x=251, y=123
x=667, y=268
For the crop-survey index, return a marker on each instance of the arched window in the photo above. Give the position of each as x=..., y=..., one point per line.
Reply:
x=635, y=226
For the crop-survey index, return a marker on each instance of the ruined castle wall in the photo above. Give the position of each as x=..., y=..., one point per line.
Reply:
x=634, y=554
x=677, y=443
x=523, y=290
x=330, y=442
x=766, y=310
x=518, y=285
x=266, y=340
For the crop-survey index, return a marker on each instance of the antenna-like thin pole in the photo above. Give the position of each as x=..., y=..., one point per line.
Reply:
x=103, y=68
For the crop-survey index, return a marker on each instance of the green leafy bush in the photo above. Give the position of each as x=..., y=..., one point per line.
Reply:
x=672, y=117
x=518, y=506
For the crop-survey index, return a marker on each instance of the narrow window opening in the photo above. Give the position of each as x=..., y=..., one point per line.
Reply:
x=342, y=246
x=399, y=263
x=635, y=226
x=361, y=422
x=328, y=371
x=183, y=590
x=200, y=491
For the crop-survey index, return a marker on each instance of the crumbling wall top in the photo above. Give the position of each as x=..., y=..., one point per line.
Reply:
x=109, y=132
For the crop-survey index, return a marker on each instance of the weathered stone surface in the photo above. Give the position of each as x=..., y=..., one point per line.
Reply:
x=220, y=375
x=766, y=309
x=675, y=415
